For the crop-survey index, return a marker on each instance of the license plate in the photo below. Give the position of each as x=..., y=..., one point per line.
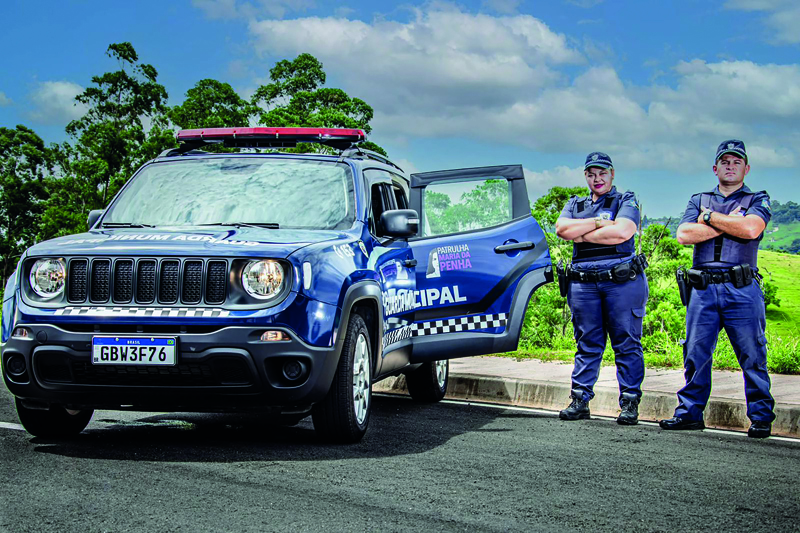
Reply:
x=133, y=351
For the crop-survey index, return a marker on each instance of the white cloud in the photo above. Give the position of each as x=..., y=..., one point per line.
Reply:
x=407, y=166
x=55, y=103
x=230, y=9
x=510, y=79
x=4, y=100
x=442, y=59
x=783, y=17
x=539, y=183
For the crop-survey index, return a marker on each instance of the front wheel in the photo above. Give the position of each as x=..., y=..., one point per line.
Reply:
x=343, y=415
x=55, y=422
x=428, y=383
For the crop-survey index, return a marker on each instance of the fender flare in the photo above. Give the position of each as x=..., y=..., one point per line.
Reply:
x=357, y=292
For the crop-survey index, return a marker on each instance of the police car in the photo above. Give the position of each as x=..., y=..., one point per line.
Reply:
x=283, y=283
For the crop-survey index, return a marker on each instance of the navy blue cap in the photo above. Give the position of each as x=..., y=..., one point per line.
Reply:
x=733, y=146
x=598, y=159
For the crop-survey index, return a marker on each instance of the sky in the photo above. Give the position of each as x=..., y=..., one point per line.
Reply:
x=541, y=83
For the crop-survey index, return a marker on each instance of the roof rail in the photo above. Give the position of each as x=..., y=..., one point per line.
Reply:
x=355, y=152
x=263, y=137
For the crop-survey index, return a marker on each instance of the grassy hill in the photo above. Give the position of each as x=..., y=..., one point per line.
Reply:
x=780, y=235
x=782, y=270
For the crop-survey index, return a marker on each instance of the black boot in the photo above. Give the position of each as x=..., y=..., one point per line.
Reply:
x=629, y=416
x=577, y=410
x=759, y=429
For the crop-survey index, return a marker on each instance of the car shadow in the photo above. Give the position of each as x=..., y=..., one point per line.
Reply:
x=398, y=427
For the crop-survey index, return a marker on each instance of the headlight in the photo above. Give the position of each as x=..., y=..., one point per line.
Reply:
x=263, y=279
x=48, y=277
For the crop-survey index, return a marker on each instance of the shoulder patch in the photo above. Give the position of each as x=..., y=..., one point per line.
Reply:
x=765, y=204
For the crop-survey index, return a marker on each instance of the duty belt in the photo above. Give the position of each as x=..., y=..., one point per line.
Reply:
x=740, y=276
x=619, y=273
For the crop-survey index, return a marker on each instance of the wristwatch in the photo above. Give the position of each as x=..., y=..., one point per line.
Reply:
x=707, y=218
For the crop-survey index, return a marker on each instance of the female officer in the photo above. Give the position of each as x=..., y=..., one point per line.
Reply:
x=607, y=290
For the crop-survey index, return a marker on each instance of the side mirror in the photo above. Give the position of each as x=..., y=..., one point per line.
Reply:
x=94, y=214
x=400, y=222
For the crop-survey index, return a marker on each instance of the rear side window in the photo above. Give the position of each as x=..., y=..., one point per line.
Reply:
x=454, y=207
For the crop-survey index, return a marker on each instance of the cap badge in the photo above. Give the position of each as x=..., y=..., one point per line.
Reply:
x=594, y=157
x=730, y=146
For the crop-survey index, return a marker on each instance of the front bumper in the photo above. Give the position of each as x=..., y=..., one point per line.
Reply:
x=225, y=369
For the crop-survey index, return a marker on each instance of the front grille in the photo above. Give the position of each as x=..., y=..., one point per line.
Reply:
x=146, y=281
x=123, y=281
x=168, y=282
x=101, y=285
x=78, y=280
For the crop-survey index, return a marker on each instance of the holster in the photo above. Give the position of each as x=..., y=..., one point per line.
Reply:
x=741, y=275
x=563, y=278
x=623, y=272
x=697, y=278
x=684, y=289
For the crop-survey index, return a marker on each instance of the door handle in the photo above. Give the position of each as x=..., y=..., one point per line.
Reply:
x=525, y=245
x=409, y=263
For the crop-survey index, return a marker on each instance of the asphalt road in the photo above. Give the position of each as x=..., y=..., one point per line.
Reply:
x=445, y=467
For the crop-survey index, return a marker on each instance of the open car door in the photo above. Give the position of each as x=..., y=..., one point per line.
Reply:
x=480, y=256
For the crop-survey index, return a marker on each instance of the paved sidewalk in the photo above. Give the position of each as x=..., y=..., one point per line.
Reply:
x=546, y=385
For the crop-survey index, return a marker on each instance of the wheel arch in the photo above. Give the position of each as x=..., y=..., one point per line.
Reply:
x=365, y=299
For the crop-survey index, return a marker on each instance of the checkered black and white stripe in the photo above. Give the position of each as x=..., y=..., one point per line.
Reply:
x=453, y=325
x=144, y=311
x=397, y=335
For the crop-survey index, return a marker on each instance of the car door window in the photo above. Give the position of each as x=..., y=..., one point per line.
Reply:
x=455, y=207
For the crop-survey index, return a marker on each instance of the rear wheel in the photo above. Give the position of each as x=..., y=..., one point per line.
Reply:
x=428, y=383
x=55, y=422
x=343, y=415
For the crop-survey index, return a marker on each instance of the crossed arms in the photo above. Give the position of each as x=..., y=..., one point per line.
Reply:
x=595, y=230
x=747, y=227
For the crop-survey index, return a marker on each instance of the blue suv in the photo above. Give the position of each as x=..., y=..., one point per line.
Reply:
x=284, y=283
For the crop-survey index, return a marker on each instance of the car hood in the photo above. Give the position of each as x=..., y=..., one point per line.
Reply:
x=258, y=242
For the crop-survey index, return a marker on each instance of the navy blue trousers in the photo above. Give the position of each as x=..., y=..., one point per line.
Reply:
x=741, y=313
x=614, y=310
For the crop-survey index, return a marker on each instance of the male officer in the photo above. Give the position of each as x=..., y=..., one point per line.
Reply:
x=725, y=225
x=607, y=289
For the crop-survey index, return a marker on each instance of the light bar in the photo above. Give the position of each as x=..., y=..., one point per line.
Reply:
x=277, y=134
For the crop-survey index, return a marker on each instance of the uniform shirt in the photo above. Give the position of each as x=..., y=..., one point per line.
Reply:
x=759, y=205
x=628, y=208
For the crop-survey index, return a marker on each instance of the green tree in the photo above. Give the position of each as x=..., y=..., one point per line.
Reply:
x=111, y=135
x=25, y=163
x=212, y=104
x=295, y=97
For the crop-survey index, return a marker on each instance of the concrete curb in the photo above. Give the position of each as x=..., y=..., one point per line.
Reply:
x=719, y=413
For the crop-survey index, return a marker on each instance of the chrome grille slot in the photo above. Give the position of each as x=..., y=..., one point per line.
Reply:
x=101, y=280
x=168, y=282
x=192, y=291
x=78, y=280
x=146, y=281
x=123, y=280
x=216, y=280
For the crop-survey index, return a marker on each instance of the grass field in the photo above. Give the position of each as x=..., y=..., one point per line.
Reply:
x=784, y=271
x=782, y=238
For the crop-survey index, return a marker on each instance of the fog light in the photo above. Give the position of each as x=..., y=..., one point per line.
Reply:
x=22, y=333
x=15, y=365
x=293, y=370
x=273, y=335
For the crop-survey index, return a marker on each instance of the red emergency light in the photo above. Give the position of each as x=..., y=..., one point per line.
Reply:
x=261, y=137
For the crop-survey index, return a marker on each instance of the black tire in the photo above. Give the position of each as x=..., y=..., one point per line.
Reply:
x=55, y=422
x=343, y=416
x=425, y=385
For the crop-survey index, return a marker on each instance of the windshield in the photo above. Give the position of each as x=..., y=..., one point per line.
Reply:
x=276, y=192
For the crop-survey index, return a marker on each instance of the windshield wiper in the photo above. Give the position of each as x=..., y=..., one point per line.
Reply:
x=125, y=225
x=267, y=225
